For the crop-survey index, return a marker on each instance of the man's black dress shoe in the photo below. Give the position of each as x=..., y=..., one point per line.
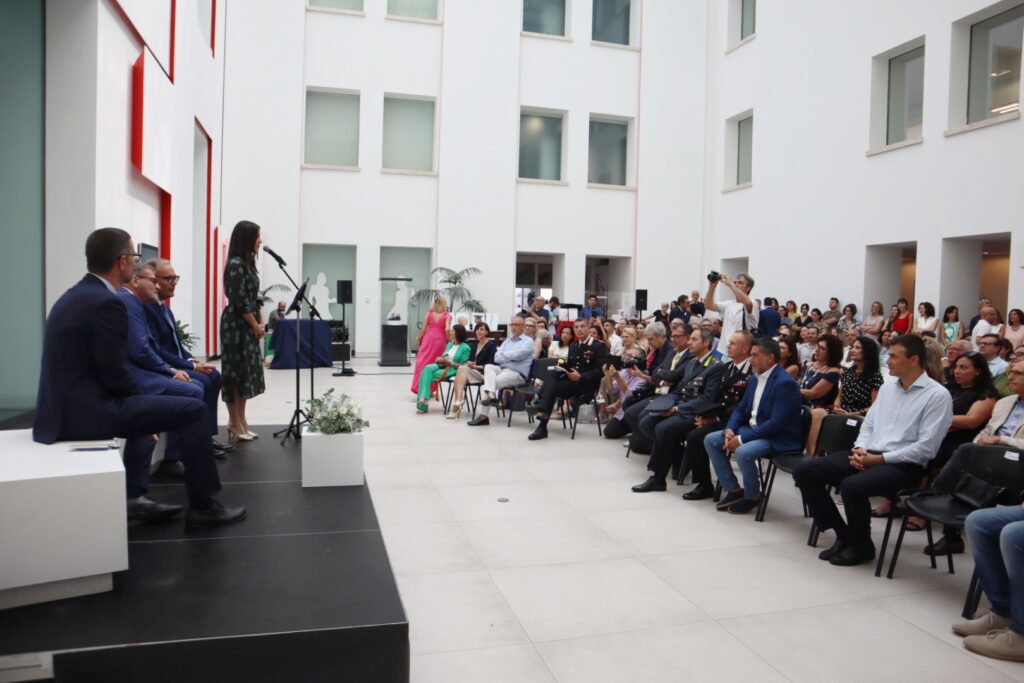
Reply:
x=146, y=508
x=652, y=484
x=700, y=492
x=486, y=400
x=829, y=553
x=728, y=499
x=171, y=468
x=851, y=556
x=220, y=445
x=479, y=421
x=217, y=515
x=538, y=434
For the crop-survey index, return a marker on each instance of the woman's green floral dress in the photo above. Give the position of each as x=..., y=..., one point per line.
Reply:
x=241, y=361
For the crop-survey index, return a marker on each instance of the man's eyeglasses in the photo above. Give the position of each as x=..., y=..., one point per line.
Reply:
x=134, y=256
x=143, y=277
x=171, y=279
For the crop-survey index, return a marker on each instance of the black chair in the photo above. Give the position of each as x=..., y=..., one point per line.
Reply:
x=837, y=433
x=973, y=597
x=530, y=390
x=988, y=463
x=446, y=387
x=767, y=476
x=574, y=410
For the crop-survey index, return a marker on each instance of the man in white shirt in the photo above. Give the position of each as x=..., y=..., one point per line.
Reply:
x=741, y=314
x=899, y=437
x=989, y=324
x=614, y=340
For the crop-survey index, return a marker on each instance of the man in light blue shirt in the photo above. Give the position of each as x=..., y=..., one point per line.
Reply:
x=899, y=437
x=511, y=367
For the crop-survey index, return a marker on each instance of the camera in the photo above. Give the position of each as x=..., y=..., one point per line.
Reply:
x=714, y=276
x=632, y=363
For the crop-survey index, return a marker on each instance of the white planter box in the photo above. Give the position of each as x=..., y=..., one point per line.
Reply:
x=332, y=459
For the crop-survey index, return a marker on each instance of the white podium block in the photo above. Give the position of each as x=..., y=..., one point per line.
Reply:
x=63, y=529
x=332, y=459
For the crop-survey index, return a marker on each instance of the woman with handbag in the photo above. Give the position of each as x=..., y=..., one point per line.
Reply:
x=456, y=353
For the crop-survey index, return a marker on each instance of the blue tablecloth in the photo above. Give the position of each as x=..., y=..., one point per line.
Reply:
x=283, y=344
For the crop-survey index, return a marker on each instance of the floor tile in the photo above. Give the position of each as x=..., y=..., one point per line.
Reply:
x=410, y=506
x=429, y=548
x=513, y=664
x=693, y=526
x=521, y=500
x=525, y=541
x=450, y=474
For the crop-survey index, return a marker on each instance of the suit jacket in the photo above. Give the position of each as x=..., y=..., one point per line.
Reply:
x=588, y=360
x=665, y=373
x=147, y=368
x=484, y=355
x=778, y=413
x=84, y=364
x=165, y=336
x=1000, y=413
x=701, y=381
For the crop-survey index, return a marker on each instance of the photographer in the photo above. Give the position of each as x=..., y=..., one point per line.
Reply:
x=619, y=385
x=741, y=314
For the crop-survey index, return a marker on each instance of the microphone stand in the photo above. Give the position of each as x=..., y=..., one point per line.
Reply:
x=294, y=428
x=313, y=314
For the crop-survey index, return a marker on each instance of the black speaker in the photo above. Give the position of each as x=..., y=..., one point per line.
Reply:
x=344, y=291
x=641, y=300
x=341, y=351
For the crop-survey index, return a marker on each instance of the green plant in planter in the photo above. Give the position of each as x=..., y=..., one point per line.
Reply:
x=187, y=339
x=265, y=297
x=332, y=414
x=452, y=286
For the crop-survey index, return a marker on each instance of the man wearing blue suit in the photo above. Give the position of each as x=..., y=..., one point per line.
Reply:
x=766, y=421
x=86, y=391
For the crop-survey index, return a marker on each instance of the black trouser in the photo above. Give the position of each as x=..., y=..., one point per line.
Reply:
x=696, y=457
x=560, y=388
x=668, y=434
x=140, y=417
x=211, y=385
x=638, y=443
x=616, y=429
x=856, y=488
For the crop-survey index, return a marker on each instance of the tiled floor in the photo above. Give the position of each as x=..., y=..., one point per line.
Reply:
x=576, y=578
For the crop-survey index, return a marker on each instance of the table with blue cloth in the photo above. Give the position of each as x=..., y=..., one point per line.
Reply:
x=311, y=331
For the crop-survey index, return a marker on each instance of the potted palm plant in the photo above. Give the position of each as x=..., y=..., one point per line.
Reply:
x=451, y=284
x=332, y=442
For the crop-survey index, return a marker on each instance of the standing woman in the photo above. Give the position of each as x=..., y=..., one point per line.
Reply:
x=1014, y=327
x=432, y=338
x=901, y=323
x=241, y=329
x=952, y=329
x=873, y=324
x=926, y=320
x=804, y=319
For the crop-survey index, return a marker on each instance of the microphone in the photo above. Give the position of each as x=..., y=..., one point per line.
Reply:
x=280, y=261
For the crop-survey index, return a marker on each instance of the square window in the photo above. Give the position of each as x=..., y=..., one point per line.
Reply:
x=408, y=134
x=611, y=21
x=607, y=162
x=544, y=16
x=418, y=9
x=905, y=96
x=748, y=18
x=352, y=5
x=540, y=146
x=744, y=149
x=332, y=129
x=994, y=72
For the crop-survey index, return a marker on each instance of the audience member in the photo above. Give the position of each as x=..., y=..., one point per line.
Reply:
x=874, y=323
x=789, y=357
x=542, y=343
x=804, y=319
x=769, y=319
x=848, y=321
x=989, y=324
x=903, y=320
x=741, y=314
x=988, y=347
x=456, y=353
x=276, y=315
x=816, y=317
x=848, y=338
x=883, y=353
x=766, y=421
x=537, y=313
x=581, y=376
x=86, y=392
x=983, y=302
x=951, y=329
x=619, y=386
x=560, y=347
x=1013, y=330
x=472, y=371
x=954, y=350
x=555, y=311
x=510, y=368
x=791, y=312
x=697, y=307
x=613, y=340
x=681, y=311
x=591, y=310
x=808, y=343
x=820, y=382
x=899, y=437
x=667, y=425
x=926, y=320
x=858, y=387
x=660, y=315
x=832, y=314
x=660, y=380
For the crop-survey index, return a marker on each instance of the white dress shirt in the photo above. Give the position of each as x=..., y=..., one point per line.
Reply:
x=907, y=426
x=762, y=381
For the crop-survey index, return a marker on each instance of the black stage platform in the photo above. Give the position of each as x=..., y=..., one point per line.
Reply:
x=301, y=590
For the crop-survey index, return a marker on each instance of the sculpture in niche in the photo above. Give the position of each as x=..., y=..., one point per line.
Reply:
x=321, y=296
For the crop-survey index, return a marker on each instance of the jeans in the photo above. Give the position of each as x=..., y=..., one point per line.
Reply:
x=997, y=543
x=746, y=457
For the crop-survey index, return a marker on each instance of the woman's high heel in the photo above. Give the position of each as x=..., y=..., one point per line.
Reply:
x=454, y=411
x=235, y=434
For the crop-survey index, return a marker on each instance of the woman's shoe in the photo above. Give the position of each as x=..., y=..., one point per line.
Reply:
x=235, y=434
x=454, y=411
x=421, y=408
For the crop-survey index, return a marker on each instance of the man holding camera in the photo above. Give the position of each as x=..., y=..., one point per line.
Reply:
x=741, y=314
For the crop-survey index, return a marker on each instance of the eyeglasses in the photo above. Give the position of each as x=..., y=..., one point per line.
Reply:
x=172, y=279
x=134, y=256
x=143, y=277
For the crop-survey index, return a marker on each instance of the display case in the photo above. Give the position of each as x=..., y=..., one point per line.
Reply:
x=395, y=311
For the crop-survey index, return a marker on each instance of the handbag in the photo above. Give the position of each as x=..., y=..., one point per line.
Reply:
x=976, y=493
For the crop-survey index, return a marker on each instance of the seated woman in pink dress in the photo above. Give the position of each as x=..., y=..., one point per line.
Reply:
x=432, y=339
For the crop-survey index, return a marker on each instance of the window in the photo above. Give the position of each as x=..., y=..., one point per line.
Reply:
x=418, y=9
x=351, y=5
x=332, y=128
x=744, y=148
x=544, y=16
x=204, y=14
x=540, y=146
x=905, y=97
x=607, y=163
x=611, y=21
x=748, y=18
x=408, y=134
x=994, y=72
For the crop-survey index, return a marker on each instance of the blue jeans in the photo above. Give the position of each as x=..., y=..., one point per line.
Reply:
x=746, y=457
x=996, y=536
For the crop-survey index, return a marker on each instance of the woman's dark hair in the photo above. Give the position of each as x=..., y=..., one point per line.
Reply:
x=870, y=351
x=835, y=349
x=1020, y=316
x=572, y=333
x=983, y=381
x=902, y=300
x=1005, y=348
x=929, y=309
x=813, y=311
x=791, y=302
x=803, y=306
x=600, y=332
x=460, y=333
x=794, y=354
x=243, y=242
x=554, y=300
x=950, y=309
x=852, y=308
x=483, y=325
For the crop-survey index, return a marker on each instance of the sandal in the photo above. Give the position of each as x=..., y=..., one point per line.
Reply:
x=915, y=523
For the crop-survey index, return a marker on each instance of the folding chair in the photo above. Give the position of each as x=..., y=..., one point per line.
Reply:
x=575, y=402
x=529, y=390
x=779, y=461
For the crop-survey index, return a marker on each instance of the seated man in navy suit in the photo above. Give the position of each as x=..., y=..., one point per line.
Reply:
x=766, y=421
x=168, y=346
x=86, y=391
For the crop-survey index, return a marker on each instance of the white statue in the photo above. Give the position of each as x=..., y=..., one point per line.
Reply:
x=320, y=296
x=399, y=313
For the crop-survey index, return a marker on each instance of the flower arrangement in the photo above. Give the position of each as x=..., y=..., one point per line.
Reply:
x=331, y=414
